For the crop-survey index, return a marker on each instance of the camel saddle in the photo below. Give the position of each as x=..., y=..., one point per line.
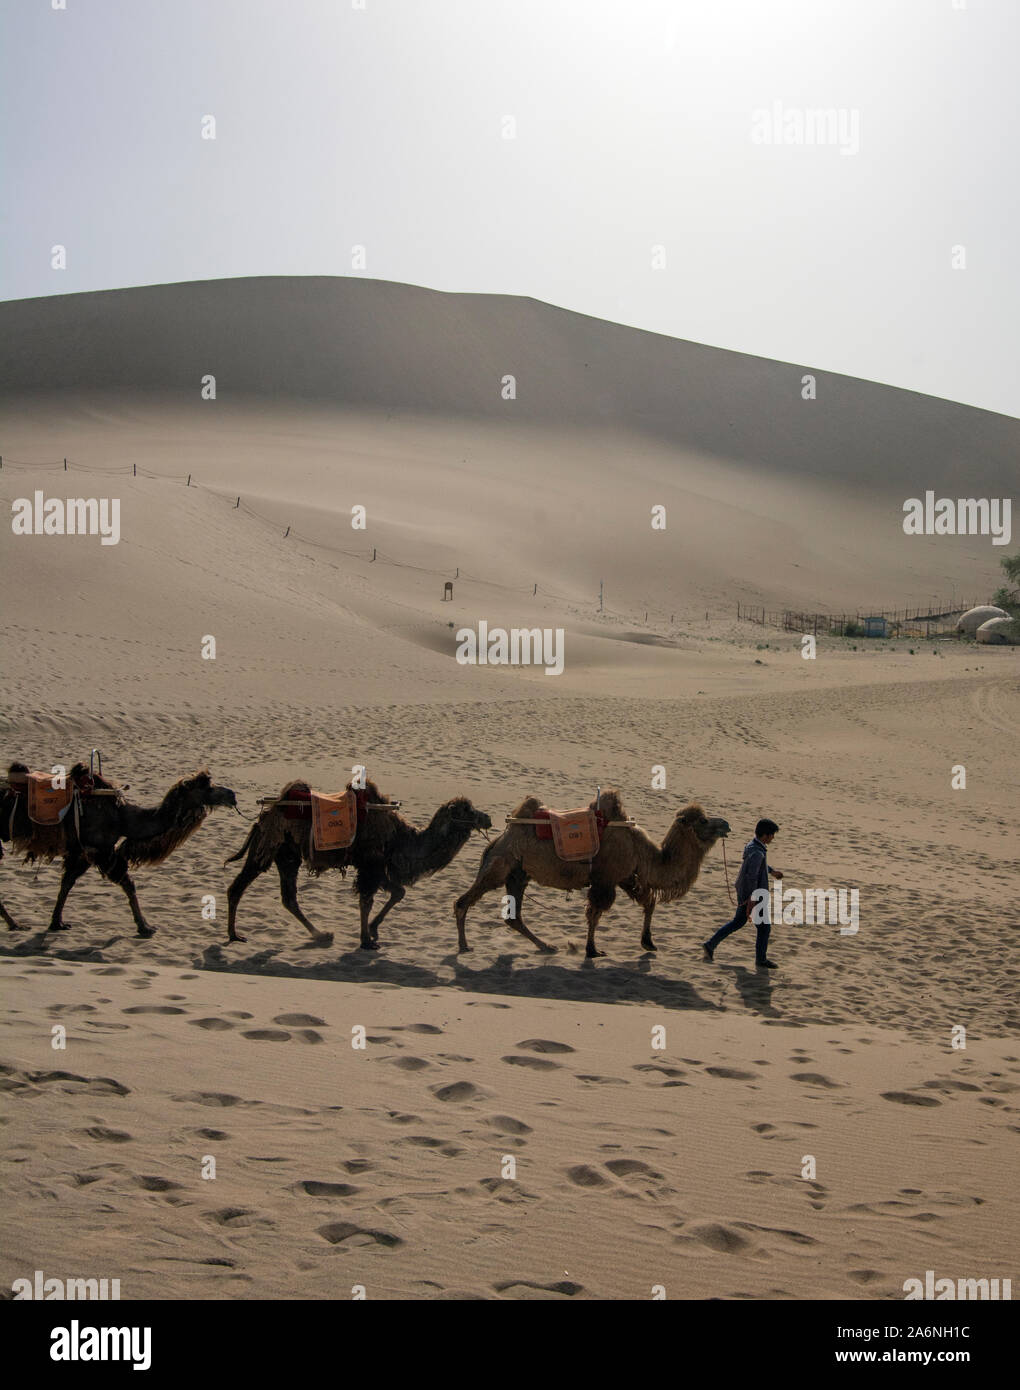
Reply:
x=47, y=805
x=575, y=834
x=334, y=820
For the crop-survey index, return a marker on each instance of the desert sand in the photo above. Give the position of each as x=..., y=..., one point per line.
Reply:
x=637, y=1165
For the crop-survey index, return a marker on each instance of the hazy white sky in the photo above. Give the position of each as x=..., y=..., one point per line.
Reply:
x=383, y=126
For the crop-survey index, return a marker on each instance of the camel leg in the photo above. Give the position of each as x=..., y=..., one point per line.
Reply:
x=365, y=901
x=516, y=883
x=74, y=866
x=115, y=868
x=647, y=902
x=236, y=891
x=397, y=893
x=288, y=862
x=492, y=873
x=601, y=897
x=12, y=925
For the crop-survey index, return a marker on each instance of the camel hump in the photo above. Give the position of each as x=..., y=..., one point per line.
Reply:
x=528, y=807
x=296, y=786
x=80, y=773
x=371, y=791
x=610, y=805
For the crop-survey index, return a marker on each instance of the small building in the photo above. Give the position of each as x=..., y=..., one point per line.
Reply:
x=876, y=626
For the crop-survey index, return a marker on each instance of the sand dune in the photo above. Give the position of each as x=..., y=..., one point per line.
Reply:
x=636, y=1166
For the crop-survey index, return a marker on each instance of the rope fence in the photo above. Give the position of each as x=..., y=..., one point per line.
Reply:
x=371, y=555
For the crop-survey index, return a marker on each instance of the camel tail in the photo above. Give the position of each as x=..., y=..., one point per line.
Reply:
x=244, y=848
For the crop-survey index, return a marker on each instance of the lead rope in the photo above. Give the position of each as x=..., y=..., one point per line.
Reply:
x=726, y=872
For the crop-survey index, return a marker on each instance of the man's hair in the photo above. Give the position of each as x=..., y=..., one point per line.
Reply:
x=765, y=827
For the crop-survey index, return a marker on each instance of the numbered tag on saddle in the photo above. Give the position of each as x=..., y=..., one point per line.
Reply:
x=334, y=820
x=575, y=834
x=47, y=804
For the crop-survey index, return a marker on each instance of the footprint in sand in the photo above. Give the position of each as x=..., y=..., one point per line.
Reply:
x=458, y=1091
x=212, y=1025
x=233, y=1216
x=268, y=1035
x=212, y=1133
x=906, y=1098
x=718, y=1237
x=950, y=1085
x=151, y=1183
x=535, y=1063
x=563, y=1288
x=238, y=1013
x=95, y=1085
x=409, y=1063
x=794, y=1237
x=300, y=1021
x=731, y=1073
x=337, y=1231
x=629, y=1167
x=309, y=1035
x=325, y=1189
x=584, y=1176
x=153, y=1009
x=212, y=1098
x=815, y=1078
x=506, y=1124
x=543, y=1045
x=109, y=1136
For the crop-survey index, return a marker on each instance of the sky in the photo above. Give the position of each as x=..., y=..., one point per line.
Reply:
x=636, y=160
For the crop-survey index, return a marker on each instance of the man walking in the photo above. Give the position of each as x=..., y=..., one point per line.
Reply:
x=753, y=875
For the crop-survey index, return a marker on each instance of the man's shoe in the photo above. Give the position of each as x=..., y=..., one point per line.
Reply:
x=766, y=965
x=709, y=953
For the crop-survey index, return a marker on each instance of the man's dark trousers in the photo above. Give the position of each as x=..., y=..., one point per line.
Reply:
x=739, y=918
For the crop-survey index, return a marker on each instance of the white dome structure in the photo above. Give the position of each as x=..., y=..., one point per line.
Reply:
x=970, y=621
x=1001, y=631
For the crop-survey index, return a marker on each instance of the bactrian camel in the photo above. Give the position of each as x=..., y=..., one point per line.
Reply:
x=110, y=832
x=387, y=853
x=628, y=858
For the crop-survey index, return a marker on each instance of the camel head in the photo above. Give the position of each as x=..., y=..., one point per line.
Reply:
x=705, y=829
x=199, y=791
x=461, y=813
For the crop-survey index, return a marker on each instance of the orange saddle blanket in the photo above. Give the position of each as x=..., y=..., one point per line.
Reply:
x=334, y=820
x=575, y=834
x=46, y=805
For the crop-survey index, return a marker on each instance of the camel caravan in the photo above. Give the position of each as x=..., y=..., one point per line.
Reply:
x=598, y=849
